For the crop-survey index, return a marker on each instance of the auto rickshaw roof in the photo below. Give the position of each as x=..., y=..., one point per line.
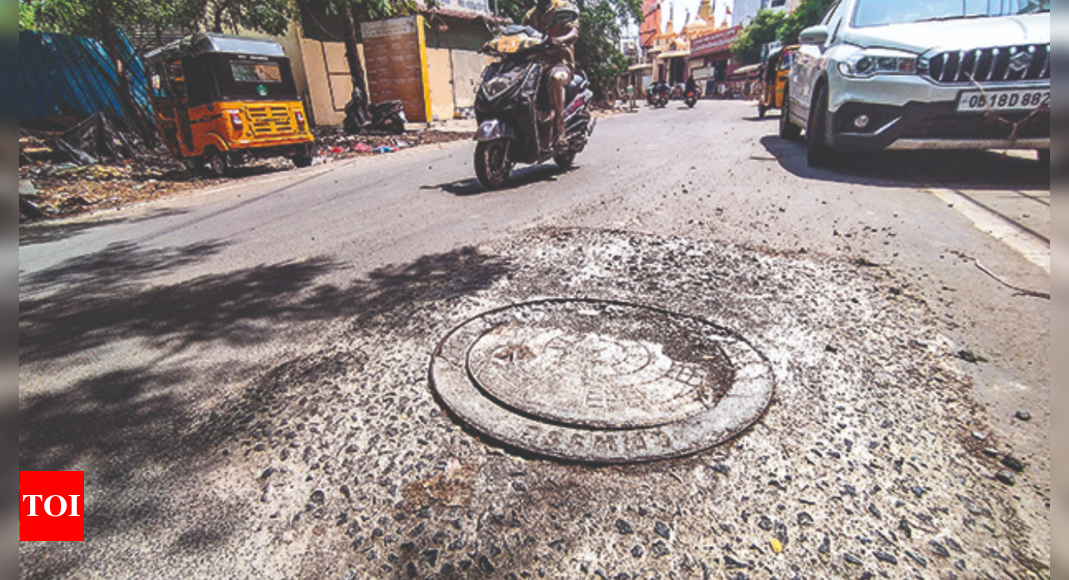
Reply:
x=202, y=43
x=775, y=54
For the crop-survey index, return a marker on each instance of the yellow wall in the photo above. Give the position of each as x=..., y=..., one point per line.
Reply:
x=468, y=68
x=440, y=76
x=330, y=84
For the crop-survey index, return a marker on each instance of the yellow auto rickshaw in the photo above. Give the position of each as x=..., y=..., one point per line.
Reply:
x=220, y=100
x=774, y=75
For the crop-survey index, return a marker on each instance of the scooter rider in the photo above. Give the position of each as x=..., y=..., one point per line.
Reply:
x=558, y=20
x=692, y=86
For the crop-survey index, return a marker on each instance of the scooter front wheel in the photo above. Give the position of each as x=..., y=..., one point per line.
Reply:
x=492, y=165
x=565, y=161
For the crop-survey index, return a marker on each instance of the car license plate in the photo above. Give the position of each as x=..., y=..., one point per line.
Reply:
x=508, y=44
x=1015, y=100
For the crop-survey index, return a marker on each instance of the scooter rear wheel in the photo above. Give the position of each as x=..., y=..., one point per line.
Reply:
x=492, y=165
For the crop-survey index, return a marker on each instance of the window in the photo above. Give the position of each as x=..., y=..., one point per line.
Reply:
x=176, y=80
x=785, y=61
x=256, y=72
x=831, y=11
x=882, y=13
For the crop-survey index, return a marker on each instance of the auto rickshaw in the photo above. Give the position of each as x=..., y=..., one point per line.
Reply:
x=220, y=100
x=775, y=72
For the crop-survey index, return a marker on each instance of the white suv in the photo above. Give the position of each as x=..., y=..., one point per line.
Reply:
x=922, y=74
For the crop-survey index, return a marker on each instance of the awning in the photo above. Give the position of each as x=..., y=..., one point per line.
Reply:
x=675, y=54
x=637, y=67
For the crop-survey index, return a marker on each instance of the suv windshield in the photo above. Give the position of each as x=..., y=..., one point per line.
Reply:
x=883, y=12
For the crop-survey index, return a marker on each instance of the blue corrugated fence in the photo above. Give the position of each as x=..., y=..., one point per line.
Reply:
x=62, y=75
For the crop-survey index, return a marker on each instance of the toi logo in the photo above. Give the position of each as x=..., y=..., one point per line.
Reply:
x=52, y=506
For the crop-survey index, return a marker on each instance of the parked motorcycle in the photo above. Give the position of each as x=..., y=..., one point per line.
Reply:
x=516, y=121
x=386, y=116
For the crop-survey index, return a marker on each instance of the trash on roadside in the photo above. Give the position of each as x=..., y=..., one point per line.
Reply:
x=64, y=169
x=96, y=139
x=362, y=148
x=384, y=149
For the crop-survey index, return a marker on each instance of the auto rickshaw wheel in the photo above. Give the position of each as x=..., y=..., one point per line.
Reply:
x=216, y=163
x=304, y=156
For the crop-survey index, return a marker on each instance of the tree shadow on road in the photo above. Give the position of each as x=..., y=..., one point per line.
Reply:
x=91, y=301
x=966, y=169
x=46, y=233
x=133, y=422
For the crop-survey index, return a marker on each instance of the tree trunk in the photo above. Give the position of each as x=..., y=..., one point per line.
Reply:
x=357, y=107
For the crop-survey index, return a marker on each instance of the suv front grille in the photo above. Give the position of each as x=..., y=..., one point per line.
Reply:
x=990, y=65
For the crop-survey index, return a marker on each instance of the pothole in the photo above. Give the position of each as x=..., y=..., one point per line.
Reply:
x=601, y=381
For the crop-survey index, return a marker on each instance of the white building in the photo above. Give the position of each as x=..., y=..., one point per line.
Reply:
x=746, y=10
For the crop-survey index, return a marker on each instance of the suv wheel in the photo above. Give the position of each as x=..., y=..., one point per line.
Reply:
x=818, y=153
x=787, y=129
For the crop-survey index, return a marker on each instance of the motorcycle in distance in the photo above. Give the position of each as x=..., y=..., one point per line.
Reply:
x=512, y=107
x=659, y=94
x=691, y=98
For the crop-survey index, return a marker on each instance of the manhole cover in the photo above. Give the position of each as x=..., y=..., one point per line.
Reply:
x=601, y=381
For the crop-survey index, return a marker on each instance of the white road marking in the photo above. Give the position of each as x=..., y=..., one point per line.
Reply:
x=1027, y=245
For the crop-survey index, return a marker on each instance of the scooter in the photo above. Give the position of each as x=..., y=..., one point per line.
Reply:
x=659, y=96
x=516, y=121
x=691, y=99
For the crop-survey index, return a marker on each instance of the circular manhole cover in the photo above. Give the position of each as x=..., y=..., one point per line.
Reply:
x=601, y=381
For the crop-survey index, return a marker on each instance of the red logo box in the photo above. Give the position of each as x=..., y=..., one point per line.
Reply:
x=51, y=506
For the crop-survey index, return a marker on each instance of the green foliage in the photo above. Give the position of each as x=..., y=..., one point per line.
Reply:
x=807, y=14
x=597, y=50
x=266, y=16
x=366, y=10
x=599, y=33
x=26, y=17
x=764, y=29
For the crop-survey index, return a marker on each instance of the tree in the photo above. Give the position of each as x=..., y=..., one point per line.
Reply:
x=764, y=29
x=26, y=17
x=597, y=50
x=807, y=14
x=102, y=19
x=266, y=16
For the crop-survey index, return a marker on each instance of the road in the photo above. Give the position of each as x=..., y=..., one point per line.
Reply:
x=241, y=372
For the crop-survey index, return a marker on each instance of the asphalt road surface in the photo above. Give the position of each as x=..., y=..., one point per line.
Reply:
x=242, y=372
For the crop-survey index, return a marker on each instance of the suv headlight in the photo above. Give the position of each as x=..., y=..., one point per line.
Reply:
x=868, y=63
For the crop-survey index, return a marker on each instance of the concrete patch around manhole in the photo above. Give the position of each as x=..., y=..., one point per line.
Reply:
x=601, y=381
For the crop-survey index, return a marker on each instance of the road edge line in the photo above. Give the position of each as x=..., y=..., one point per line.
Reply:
x=1024, y=244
